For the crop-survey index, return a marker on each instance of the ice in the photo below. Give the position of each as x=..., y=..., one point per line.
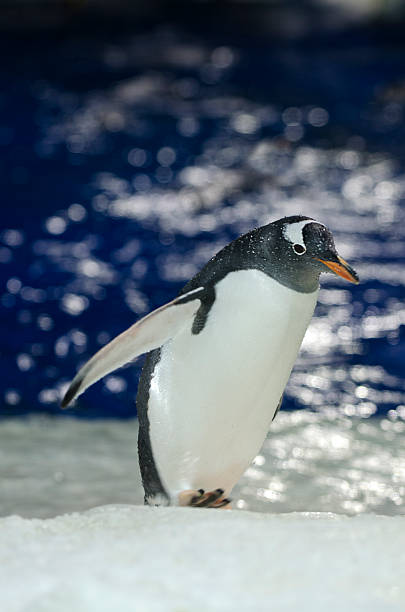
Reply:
x=139, y=559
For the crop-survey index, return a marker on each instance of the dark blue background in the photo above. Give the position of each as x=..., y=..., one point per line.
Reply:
x=67, y=128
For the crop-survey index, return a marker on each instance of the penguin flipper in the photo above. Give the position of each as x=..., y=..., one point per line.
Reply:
x=148, y=333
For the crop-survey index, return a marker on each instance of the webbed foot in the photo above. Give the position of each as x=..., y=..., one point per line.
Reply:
x=202, y=499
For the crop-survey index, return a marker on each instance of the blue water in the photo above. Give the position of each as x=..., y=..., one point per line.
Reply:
x=127, y=161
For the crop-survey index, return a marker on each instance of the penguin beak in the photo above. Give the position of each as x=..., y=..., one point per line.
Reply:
x=342, y=268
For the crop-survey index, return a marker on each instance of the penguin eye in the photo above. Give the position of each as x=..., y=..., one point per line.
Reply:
x=299, y=249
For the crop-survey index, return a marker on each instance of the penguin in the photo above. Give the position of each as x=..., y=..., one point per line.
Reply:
x=218, y=359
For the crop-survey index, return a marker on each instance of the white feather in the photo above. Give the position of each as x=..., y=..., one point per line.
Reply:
x=293, y=232
x=147, y=334
x=213, y=395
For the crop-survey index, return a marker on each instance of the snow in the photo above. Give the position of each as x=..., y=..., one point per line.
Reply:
x=132, y=558
x=121, y=556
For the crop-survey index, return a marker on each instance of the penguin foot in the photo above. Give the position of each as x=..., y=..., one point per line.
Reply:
x=202, y=499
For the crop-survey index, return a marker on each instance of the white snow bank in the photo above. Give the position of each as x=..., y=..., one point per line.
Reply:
x=137, y=559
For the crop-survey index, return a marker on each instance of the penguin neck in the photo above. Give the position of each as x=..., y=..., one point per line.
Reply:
x=303, y=283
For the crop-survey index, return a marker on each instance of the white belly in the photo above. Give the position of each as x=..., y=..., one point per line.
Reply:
x=213, y=395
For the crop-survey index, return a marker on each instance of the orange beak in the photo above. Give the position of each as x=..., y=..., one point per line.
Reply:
x=342, y=269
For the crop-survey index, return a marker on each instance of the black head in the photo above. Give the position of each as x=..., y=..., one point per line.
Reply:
x=300, y=249
x=294, y=251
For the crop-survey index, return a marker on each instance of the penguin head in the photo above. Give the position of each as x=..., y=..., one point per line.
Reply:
x=304, y=249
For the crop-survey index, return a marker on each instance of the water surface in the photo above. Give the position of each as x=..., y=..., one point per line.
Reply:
x=129, y=160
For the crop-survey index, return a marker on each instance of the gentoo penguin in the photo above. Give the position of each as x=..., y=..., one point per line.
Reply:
x=219, y=357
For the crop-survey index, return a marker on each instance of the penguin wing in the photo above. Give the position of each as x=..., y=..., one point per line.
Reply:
x=147, y=334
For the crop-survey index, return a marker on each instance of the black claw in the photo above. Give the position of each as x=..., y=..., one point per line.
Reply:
x=217, y=493
x=207, y=499
x=222, y=503
x=204, y=502
x=197, y=498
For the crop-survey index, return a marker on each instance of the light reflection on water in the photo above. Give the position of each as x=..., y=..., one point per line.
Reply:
x=224, y=163
x=311, y=461
x=323, y=461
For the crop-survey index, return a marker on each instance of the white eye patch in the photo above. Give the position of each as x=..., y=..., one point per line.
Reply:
x=293, y=231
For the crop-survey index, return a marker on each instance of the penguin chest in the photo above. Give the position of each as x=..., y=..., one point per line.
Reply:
x=213, y=394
